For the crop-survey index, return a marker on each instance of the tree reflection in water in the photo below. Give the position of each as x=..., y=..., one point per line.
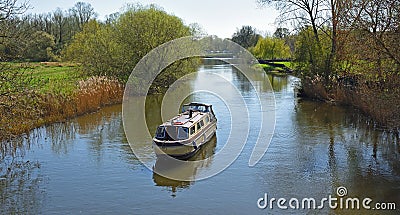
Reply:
x=22, y=185
x=360, y=154
x=21, y=189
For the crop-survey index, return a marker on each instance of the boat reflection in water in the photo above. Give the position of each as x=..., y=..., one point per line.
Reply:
x=188, y=170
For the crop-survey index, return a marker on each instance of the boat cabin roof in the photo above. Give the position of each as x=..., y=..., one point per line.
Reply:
x=184, y=120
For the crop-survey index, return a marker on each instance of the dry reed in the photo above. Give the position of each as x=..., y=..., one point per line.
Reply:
x=379, y=99
x=32, y=110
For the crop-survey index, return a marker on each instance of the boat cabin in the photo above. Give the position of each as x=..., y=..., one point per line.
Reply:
x=192, y=120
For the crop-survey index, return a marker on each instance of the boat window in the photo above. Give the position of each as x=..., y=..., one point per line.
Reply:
x=171, y=133
x=207, y=119
x=183, y=133
x=160, y=133
x=200, y=108
x=201, y=123
x=192, y=130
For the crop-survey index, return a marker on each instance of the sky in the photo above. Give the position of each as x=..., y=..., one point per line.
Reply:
x=216, y=17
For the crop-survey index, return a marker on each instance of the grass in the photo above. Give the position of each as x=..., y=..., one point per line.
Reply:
x=287, y=64
x=50, y=77
x=57, y=91
x=273, y=69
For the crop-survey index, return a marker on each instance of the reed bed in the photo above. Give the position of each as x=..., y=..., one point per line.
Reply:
x=32, y=109
x=96, y=92
x=379, y=99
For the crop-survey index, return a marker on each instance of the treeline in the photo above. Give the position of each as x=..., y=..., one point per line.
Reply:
x=331, y=37
x=278, y=46
x=342, y=36
x=103, y=48
x=40, y=37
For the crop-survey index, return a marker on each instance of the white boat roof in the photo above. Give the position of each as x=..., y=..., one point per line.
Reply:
x=184, y=120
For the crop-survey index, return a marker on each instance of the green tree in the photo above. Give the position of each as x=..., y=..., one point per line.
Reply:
x=92, y=48
x=142, y=29
x=115, y=47
x=310, y=56
x=271, y=48
x=13, y=32
x=40, y=47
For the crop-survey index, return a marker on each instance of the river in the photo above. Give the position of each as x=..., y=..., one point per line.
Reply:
x=86, y=165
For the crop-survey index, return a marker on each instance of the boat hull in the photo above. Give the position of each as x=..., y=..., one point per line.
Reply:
x=185, y=149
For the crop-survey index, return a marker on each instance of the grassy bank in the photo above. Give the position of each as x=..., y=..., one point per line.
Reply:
x=50, y=92
x=277, y=67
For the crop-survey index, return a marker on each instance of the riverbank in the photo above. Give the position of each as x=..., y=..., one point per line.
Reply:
x=276, y=67
x=55, y=92
x=377, y=98
x=36, y=94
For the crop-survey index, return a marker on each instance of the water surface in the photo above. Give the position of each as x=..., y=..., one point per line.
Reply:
x=86, y=165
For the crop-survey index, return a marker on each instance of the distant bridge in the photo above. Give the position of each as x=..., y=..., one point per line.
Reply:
x=219, y=54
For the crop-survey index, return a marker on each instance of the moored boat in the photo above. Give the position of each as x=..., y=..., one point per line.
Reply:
x=183, y=135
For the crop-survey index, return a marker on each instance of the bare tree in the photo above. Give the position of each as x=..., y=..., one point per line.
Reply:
x=12, y=31
x=82, y=12
x=380, y=21
x=59, y=20
x=246, y=36
x=301, y=12
x=320, y=15
x=9, y=8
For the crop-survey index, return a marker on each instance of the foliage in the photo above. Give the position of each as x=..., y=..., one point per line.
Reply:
x=271, y=48
x=92, y=47
x=21, y=37
x=311, y=57
x=115, y=47
x=39, y=47
x=16, y=95
x=276, y=70
x=246, y=37
x=346, y=51
x=151, y=27
x=356, y=30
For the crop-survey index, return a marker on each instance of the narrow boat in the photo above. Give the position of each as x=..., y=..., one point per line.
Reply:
x=182, y=136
